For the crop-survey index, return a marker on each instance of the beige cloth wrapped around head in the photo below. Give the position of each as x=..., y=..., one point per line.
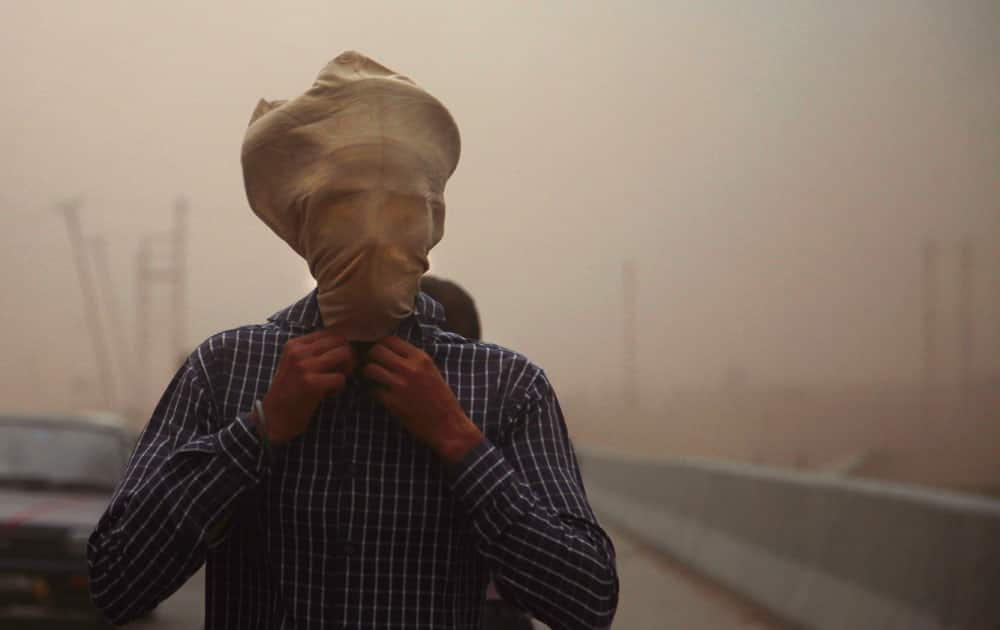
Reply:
x=351, y=174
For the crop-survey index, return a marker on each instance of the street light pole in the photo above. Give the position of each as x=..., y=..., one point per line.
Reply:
x=70, y=211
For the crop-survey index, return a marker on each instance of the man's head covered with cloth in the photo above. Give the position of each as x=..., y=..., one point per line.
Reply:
x=351, y=174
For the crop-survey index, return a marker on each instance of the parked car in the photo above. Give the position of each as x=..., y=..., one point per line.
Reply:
x=56, y=477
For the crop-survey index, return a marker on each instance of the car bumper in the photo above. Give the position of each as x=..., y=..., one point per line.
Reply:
x=51, y=588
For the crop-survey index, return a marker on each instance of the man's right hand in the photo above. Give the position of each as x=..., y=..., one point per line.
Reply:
x=311, y=367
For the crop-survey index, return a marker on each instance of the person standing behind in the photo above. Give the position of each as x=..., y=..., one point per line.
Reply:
x=460, y=314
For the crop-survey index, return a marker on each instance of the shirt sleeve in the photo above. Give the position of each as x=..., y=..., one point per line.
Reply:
x=533, y=524
x=181, y=480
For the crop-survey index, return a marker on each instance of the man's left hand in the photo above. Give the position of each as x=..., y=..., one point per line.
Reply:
x=408, y=384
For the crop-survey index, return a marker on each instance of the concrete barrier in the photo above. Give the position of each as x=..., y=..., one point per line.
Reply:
x=817, y=550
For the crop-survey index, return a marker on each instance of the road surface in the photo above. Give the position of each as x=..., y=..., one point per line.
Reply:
x=657, y=593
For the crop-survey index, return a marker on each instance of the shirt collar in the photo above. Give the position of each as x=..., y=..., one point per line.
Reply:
x=304, y=317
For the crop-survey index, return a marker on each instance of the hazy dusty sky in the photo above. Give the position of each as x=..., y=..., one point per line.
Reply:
x=771, y=167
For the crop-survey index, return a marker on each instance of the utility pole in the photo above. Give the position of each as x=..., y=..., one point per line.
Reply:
x=143, y=277
x=930, y=298
x=119, y=348
x=71, y=213
x=171, y=272
x=179, y=281
x=966, y=329
x=630, y=291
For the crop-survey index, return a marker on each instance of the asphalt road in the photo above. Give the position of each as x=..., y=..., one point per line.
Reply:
x=658, y=593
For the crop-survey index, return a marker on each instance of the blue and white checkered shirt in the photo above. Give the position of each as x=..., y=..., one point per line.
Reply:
x=353, y=524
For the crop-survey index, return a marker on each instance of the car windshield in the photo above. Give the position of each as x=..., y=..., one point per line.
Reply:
x=58, y=456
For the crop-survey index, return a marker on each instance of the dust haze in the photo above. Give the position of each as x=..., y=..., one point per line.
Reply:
x=773, y=174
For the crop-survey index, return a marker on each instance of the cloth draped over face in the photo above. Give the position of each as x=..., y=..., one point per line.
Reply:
x=351, y=174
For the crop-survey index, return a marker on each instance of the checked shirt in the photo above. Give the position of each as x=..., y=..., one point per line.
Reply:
x=353, y=524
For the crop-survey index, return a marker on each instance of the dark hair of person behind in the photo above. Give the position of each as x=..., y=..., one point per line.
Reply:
x=461, y=316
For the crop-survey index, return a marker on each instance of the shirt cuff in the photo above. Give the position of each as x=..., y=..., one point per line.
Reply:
x=490, y=491
x=243, y=447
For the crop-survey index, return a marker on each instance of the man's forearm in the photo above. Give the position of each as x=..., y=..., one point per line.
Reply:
x=154, y=536
x=558, y=566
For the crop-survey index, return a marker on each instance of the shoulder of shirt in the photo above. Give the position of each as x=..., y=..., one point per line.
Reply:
x=208, y=357
x=519, y=376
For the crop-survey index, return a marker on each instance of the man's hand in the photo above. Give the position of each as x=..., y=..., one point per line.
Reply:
x=311, y=367
x=408, y=384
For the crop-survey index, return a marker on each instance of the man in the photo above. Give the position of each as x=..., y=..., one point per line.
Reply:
x=347, y=464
